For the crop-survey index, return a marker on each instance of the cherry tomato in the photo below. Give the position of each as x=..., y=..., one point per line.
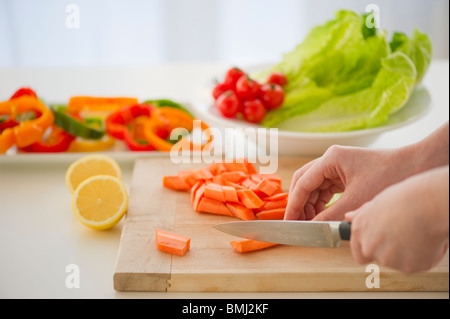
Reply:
x=232, y=76
x=272, y=95
x=253, y=111
x=246, y=88
x=277, y=78
x=219, y=89
x=228, y=104
x=23, y=91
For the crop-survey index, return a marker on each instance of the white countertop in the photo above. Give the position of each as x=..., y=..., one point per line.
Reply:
x=40, y=236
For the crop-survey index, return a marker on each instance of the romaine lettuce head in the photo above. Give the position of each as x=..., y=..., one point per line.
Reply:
x=342, y=77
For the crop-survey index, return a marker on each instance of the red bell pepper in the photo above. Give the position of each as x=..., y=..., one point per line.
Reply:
x=135, y=139
x=116, y=123
x=23, y=91
x=58, y=141
x=127, y=124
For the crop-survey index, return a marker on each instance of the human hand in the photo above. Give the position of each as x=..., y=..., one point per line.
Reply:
x=357, y=172
x=405, y=227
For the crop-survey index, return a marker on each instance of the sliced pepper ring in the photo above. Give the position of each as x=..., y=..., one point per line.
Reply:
x=176, y=119
x=116, y=123
x=27, y=132
x=57, y=141
x=74, y=126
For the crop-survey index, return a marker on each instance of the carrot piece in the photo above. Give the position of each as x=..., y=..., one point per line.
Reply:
x=235, y=167
x=208, y=205
x=216, y=168
x=217, y=179
x=248, y=183
x=271, y=177
x=277, y=197
x=247, y=245
x=272, y=214
x=214, y=191
x=175, y=183
x=198, y=196
x=188, y=177
x=240, y=211
x=249, y=198
x=230, y=194
x=267, y=187
x=194, y=190
x=274, y=204
x=172, y=243
x=234, y=177
x=234, y=185
x=250, y=168
x=202, y=174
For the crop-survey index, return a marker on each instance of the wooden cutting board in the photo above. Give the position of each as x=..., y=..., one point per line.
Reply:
x=212, y=265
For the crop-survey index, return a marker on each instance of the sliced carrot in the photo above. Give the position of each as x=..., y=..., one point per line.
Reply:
x=272, y=177
x=240, y=211
x=175, y=183
x=172, y=243
x=234, y=185
x=230, y=194
x=277, y=197
x=198, y=196
x=234, y=177
x=216, y=168
x=249, y=198
x=202, y=174
x=246, y=245
x=194, y=190
x=235, y=167
x=272, y=214
x=248, y=183
x=274, y=204
x=250, y=168
x=208, y=205
x=217, y=179
x=214, y=191
x=188, y=177
x=267, y=187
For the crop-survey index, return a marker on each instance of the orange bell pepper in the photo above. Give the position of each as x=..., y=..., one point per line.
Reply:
x=27, y=132
x=81, y=103
x=175, y=118
x=6, y=140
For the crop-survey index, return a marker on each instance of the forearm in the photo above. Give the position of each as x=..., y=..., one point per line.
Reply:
x=431, y=152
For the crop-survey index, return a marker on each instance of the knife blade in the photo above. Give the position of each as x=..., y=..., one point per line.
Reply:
x=289, y=232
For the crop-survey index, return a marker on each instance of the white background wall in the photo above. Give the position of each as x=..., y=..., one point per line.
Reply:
x=33, y=33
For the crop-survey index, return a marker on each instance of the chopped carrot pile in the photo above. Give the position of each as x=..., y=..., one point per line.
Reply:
x=172, y=243
x=233, y=189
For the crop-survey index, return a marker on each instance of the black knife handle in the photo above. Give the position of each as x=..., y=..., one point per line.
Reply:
x=345, y=230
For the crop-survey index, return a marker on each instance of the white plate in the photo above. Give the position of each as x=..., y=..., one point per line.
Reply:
x=118, y=152
x=315, y=144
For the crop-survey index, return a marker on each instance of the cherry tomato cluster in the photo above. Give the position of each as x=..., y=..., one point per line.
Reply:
x=240, y=94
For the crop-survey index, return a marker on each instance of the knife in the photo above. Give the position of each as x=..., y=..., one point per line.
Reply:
x=290, y=232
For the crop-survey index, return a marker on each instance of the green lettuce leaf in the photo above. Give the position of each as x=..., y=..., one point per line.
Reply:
x=418, y=48
x=365, y=108
x=342, y=77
